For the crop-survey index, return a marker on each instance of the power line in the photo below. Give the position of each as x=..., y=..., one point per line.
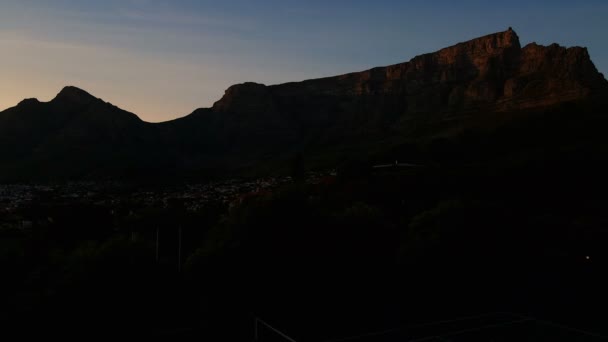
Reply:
x=277, y=331
x=382, y=332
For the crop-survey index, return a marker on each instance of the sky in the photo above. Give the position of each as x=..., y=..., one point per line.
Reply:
x=163, y=59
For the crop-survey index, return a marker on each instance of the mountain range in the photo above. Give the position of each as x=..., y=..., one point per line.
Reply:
x=469, y=102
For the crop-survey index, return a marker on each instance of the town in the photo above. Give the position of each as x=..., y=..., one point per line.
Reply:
x=21, y=204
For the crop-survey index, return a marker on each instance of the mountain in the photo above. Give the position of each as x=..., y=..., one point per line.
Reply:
x=480, y=86
x=73, y=135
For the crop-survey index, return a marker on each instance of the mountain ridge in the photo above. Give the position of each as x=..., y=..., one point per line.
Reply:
x=488, y=44
x=329, y=118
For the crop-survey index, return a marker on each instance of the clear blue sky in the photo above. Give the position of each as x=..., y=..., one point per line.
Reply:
x=162, y=59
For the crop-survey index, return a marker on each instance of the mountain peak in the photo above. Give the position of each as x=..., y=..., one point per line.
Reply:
x=241, y=95
x=74, y=95
x=504, y=39
x=492, y=44
x=27, y=102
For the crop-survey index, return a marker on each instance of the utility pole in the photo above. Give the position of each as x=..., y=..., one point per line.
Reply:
x=179, y=251
x=157, y=242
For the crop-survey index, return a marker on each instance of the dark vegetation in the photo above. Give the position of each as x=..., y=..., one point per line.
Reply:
x=505, y=218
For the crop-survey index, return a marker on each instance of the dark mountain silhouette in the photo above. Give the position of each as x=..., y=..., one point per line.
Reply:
x=73, y=135
x=476, y=86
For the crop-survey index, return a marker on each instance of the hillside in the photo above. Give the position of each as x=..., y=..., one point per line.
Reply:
x=471, y=89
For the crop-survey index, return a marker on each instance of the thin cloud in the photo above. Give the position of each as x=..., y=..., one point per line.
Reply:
x=172, y=17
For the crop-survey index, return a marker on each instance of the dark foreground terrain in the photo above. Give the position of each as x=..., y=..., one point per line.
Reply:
x=346, y=254
x=460, y=196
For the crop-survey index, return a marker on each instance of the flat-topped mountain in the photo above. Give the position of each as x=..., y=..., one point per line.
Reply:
x=477, y=84
x=491, y=71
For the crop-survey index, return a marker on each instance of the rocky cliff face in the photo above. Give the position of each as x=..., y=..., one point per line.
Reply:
x=479, y=79
x=492, y=71
x=488, y=74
